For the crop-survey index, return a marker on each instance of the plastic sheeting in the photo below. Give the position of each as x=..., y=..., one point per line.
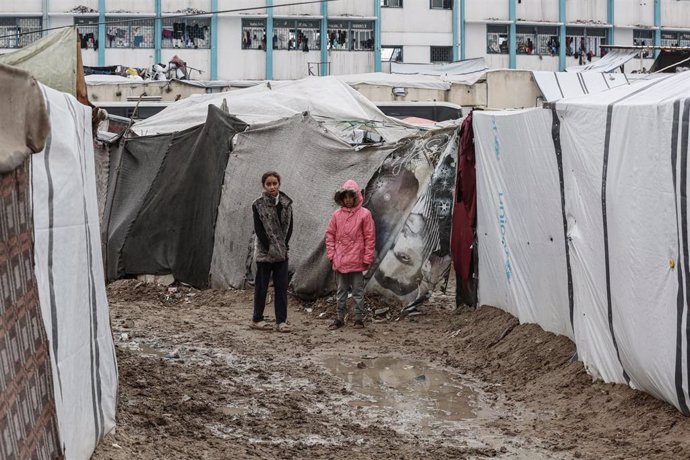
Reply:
x=164, y=201
x=69, y=272
x=411, y=200
x=559, y=85
x=313, y=164
x=52, y=60
x=521, y=245
x=396, y=80
x=340, y=108
x=613, y=60
x=611, y=171
x=466, y=72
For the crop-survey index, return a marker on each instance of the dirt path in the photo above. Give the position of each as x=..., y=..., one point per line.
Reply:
x=196, y=382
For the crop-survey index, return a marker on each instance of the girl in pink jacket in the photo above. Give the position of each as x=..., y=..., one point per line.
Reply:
x=350, y=243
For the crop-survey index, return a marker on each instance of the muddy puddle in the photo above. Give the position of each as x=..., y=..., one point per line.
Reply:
x=426, y=396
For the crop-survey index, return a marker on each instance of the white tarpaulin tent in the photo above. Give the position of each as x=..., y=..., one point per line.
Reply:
x=69, y=273
x=583, y=227
x=338, y=106
x=610, y=62
x=559, y=85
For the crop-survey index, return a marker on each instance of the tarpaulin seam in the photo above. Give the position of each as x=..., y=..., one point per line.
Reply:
x=684, y=214
x=51, y=244
x=680, y=296
x=605, y=80
x=556, y=136
x=96, y=396
x=581, y=80
x=607, y=145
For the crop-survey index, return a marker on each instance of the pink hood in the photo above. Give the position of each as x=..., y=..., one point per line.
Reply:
x=351, y=236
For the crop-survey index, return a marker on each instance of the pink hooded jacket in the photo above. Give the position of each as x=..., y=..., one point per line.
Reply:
x=351, y=235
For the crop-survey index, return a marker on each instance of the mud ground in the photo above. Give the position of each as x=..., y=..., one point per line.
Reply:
x=197, y=383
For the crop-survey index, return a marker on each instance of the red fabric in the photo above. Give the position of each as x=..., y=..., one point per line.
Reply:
x=465, y=208
x=351, y=235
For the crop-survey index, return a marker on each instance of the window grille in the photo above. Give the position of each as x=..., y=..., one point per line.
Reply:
x=253, y=34
x=441, y=4
x=441, y=54
x=392, y=3
x=14, y=31
x=496, y=39
x=351, y=35
x=296, y=34
x=129, y=33
x=88, y=32
x=186, y=33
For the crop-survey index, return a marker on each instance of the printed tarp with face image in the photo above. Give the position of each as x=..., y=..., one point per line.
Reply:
x=411, y=199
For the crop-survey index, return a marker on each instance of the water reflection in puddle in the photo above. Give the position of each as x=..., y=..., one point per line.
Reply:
x=412, y=388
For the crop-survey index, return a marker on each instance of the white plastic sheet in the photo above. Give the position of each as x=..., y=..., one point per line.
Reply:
x=69, y=273
x=521, y=245
x=612, y=61
x=559, y=85
x=338, y=106
x=624, y=186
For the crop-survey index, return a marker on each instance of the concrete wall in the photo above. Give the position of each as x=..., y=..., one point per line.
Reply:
x=21, y=6
x=347, y=62
x=538, y=10
x=290, y=65
x=233, y=61
x=486, y=9
x=641, y=13
x=379, y=93
x=168, y=91
x=588, y=10
x=468, y=96
x=61, y=6
x=512, y=89
x=313, y=9
x=362, y=8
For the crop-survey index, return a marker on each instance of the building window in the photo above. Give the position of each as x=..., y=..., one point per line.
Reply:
x=674, y=38
x=351, y=35
x=19, y=32
x=391, y=3
x=537, y=40
x=441, y=54
x=129, y=33
x=496, y=39
x=585, y=43
x=391, y=53
x=88, y=32
x=441, y=4
x=186, y=33
x=253, y=34
x=296, y=34
x=643, y=37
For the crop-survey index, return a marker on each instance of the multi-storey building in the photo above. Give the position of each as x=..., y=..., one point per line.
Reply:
x=229, y=40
